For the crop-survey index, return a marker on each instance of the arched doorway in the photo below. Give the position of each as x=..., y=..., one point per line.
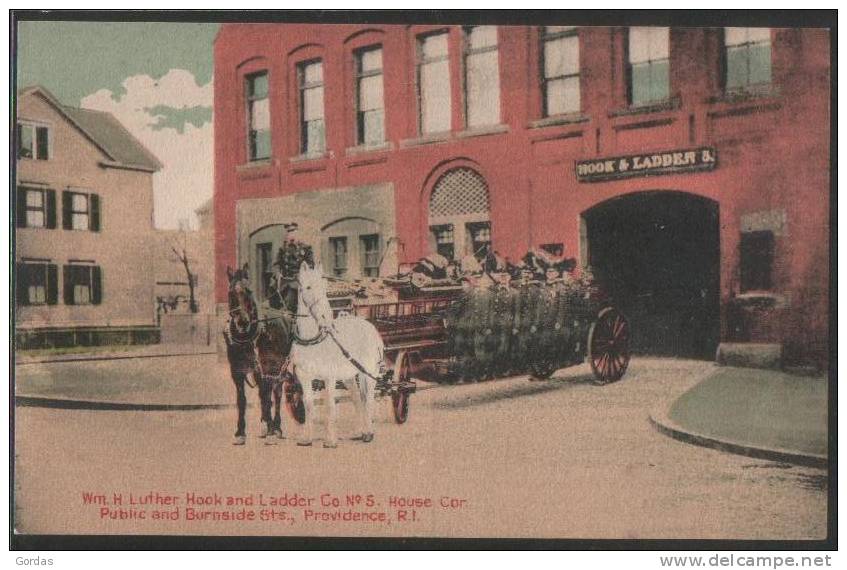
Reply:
x=459, y=218
x=658, y=255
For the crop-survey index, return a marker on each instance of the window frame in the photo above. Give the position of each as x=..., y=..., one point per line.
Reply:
x=360, y=136
x=467, y=53
x=265, y=271
x=436, y=231
x=35, y=126
x=549, y=37
x=249, y=100
x=72, y=268
x=753, y=278
x=364, y=252
x=43, y=265
x=303, y=125
x=746, y=45
x=337, y=270
x=72, y=212
x=43, y=209
x=650, y=62
x=420, y=62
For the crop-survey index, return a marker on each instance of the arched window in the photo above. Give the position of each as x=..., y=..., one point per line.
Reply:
x=459, y=219
x=352, y=248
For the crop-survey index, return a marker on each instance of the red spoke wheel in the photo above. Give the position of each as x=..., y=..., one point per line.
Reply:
x=400, y=398
x=292, y=392
x=608, y=346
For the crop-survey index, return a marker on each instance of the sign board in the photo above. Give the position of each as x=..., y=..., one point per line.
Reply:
x=647, y=164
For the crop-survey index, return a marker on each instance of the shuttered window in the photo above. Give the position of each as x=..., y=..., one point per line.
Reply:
x=36, y=208
x=33, y=141
x=36, y=283
x=82, y=284
x=81, y=211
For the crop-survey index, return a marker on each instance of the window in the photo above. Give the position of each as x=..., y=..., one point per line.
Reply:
x=370, y=106
x=80, y=211
x=560, y=70
x=82, y=284
x=264, y=254
x=757, y=250
x=312, y=128
x=434, y=83
x=33, y=141
x=36, y=283
x=369, y=248
x=480, y=236
x=258, y=117
x=649, y=75
x=747, y=58
x=444, y=240
x=482, y=76
x=338, y=251
x=36, y=208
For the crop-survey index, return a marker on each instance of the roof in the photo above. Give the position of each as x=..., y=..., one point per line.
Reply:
x=106, y=132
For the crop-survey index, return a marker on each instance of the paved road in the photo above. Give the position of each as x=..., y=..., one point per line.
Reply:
x=511, y=458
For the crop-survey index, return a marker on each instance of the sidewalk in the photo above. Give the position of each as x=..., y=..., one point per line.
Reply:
x=758, y=413
x=110, y=353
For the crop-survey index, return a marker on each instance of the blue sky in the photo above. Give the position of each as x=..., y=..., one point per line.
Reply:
x=156, y=78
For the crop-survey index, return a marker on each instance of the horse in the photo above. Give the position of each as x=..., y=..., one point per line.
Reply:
x=252, y=350
x=347, y=349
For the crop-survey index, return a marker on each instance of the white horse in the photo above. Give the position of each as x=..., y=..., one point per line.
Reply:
x=317, y=354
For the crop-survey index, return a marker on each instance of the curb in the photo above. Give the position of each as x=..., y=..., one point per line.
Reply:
x=72, y=404
x=666, y=426
x=112, y=356
x=102, y=405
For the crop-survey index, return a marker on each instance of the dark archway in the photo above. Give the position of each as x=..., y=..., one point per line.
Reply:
x=658, y=255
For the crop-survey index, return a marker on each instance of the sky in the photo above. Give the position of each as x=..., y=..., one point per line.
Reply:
x=156, y=78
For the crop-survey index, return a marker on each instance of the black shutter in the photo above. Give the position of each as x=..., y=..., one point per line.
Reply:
x=96, y=285
x=41, y=142
x=51, y=208
x=52, y=283
x=21, y=284
x=67, y=284
x=20, y=208
x=67, y=201
x=94, y=224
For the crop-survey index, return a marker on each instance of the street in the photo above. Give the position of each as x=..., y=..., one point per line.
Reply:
x=508, y=458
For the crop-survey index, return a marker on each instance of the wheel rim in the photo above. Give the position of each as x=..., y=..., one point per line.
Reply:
x=608, y=346
x=400, y=400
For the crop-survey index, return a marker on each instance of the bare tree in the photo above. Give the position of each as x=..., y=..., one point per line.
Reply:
x=192, y=278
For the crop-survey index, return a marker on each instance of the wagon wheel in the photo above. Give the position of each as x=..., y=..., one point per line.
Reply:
x=400, y=397
x=608, y=346
x=293, y=393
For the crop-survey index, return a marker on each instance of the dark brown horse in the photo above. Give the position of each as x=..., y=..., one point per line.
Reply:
x=257, y=353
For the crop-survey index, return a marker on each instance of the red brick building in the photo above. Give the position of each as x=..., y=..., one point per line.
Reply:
x=688, y=166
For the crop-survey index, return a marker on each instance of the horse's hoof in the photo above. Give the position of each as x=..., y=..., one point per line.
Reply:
x=304, y=443
x=264, y=433
x=270, y=441
x=367, y=438
x=279, y=434
x=330, y=445
x=239, y=440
